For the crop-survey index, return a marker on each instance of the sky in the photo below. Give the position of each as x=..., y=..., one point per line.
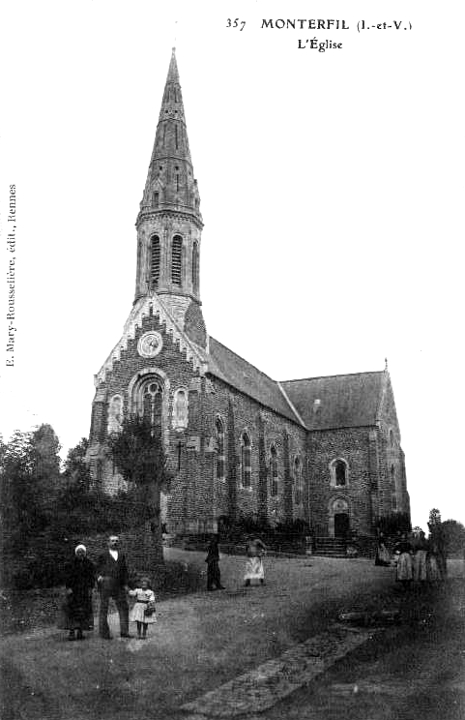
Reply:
x=331, y=188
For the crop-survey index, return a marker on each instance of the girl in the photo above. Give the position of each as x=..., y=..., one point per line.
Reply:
x=143, y=612
x=255, y=550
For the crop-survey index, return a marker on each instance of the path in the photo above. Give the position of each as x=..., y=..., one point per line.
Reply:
x=201, y=642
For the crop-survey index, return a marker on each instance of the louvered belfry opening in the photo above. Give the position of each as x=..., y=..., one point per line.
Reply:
x=176, y=261
x=195, y=268
x=155, y=261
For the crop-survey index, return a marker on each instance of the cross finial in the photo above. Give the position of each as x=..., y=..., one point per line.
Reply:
x=385, y=364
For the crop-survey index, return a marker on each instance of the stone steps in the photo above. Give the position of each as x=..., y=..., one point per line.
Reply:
x=329, y=547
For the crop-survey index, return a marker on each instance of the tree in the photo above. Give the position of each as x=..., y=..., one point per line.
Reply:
x=434, y=518
x=454, y=534
x=138, y=453
x=76, y=468
x=45, y=465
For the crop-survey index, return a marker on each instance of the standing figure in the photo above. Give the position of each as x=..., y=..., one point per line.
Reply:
x=112, y=579
x=404, y=569
x=213, y=567
x=420, y=548
x=79, y=582
x=143, y=612
x=438, y=550
x=382, y=556
x=255, y=550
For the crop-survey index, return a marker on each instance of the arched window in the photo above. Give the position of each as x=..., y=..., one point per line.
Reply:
x=219, y=449
x=180, y=409
x=339, y=472
x=195, y=268
x=274, y=471
x=176, y=260
x=115, y=414
x=152, y=401
x=298, y=481
x=391, y=437
x=155, y=261
x=245, y=460
x=155, y=198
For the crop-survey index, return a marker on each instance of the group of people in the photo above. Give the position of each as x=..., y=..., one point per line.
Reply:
x=415, y=557
x=111, y=575
x=255, y=551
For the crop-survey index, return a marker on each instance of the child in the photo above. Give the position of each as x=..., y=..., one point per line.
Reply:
x=143, y=611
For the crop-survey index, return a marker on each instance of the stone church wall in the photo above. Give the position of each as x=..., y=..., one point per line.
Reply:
x=351, y=445
x=394, y=495
x=228, y=496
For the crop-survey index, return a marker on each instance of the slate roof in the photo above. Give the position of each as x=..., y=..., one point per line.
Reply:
x=237, y=372
x=345, y=400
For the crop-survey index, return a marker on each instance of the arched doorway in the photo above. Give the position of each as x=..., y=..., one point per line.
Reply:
x=339, y=518
x=341, y=525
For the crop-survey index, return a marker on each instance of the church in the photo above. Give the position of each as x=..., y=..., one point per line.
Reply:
x=240, y=444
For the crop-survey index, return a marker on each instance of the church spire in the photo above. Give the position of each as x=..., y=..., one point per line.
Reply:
x=170, y=180
x=169, y=223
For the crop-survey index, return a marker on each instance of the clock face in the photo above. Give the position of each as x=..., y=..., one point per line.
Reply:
x=150, y=344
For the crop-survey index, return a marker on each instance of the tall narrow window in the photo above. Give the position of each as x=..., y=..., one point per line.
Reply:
x=180, y=409
x=176, y=260
x=298, y=481
x=195, y=268
x=274, y=471
x=156, y=199
x=340, y=469
x=245, y=461
x=176, y=135
x=155, y=261
x=220, y=449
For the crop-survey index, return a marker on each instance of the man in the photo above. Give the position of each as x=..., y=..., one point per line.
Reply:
x=112, y=579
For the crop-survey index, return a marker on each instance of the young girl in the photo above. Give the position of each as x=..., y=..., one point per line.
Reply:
x=143, y=613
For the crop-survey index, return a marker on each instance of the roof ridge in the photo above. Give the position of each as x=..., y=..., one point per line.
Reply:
x=320, y=377
x=291, y=405
x=244, y=360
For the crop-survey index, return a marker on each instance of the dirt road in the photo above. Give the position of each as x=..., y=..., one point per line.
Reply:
x=201, y=641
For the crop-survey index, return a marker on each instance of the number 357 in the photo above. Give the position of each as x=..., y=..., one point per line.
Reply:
x=235, y=24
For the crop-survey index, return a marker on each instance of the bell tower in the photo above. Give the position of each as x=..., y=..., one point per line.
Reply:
x=169, y=223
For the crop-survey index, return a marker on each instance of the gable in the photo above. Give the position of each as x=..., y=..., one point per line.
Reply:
x=145, y=306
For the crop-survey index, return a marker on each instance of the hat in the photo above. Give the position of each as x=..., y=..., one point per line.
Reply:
x=80, y=547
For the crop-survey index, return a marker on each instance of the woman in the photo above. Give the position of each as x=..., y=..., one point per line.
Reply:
x=255, y=550
x=419, y=559
x=79, y=582
x=404, y=569
x=382, y=553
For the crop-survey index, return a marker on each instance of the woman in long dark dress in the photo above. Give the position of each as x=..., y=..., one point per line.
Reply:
x=382, y=553
x=79, y=581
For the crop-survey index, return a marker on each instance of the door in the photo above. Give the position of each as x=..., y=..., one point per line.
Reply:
x=341, y=525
